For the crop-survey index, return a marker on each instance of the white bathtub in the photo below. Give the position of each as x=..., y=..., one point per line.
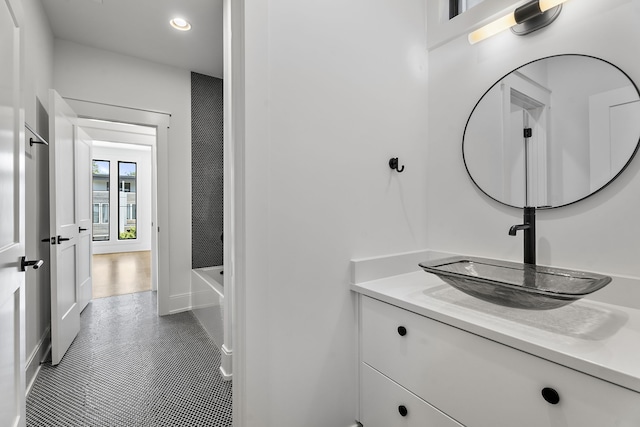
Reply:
x=207, y=301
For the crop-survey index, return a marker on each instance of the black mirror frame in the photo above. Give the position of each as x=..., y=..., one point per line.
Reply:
x=635, y=151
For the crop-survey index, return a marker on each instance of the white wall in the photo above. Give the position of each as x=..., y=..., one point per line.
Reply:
x=38, y=78
x=97, y=75
x=141, y=155
x=575, y=154
x=334, y=89
x=599, y=234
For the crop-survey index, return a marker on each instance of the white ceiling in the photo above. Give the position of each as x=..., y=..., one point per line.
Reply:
x=141, y=28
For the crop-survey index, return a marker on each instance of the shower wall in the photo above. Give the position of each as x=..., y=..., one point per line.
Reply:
x=206, y=171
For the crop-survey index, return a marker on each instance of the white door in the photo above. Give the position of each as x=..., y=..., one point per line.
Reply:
x=12, y=248
x=623, y=134
x=83, y=213
x=64, y=226
x=613, y=132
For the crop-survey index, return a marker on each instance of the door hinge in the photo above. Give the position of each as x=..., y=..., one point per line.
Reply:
x=528, y=132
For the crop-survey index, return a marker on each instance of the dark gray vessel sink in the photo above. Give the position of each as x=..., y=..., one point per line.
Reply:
x=515, y=284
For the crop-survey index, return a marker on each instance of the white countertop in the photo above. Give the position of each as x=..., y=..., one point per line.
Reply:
x=598, y=339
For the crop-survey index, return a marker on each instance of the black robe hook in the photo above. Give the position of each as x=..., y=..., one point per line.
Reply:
x=393, y=164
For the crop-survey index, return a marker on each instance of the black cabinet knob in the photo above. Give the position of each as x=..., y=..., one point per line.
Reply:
x=403, y=410
x=550, y=395
x=402, y=331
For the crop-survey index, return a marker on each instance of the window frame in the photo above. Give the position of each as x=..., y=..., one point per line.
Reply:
x=101, y=205
x=123, y=189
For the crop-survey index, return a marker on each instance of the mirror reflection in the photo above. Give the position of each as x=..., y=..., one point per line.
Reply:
x=553, y=131
x=457, y=7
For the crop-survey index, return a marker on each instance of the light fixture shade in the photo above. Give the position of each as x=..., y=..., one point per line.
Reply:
x=533, y=15
x=492, y=28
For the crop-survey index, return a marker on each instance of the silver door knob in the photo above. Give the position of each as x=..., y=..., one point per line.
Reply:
x=36, y=264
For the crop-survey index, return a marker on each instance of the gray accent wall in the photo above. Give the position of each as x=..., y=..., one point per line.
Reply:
x=206, y=171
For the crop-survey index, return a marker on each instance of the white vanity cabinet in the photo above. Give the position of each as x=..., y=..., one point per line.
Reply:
x=445, y=377
x=387, y=404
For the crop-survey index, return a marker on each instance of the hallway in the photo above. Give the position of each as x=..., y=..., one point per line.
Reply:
x=121, y=273
x=129, y=367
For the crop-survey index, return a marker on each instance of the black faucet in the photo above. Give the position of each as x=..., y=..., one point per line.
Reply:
x=529, y=228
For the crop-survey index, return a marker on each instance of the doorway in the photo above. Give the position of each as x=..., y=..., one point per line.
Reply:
x=121, y=206
x=110, y=123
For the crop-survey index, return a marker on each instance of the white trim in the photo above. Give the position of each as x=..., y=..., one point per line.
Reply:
x=160, y=243
x=18, y=364
x=179, y=303
x=234, y=200
x=226, y=363
x=206, y=299
x=357, y=325
x=36, y=358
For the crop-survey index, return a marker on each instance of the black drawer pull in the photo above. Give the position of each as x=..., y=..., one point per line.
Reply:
x=403, y=410
x=402, y=331
x=550, y=395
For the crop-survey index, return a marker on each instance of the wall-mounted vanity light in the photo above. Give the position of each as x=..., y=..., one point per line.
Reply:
x=527, y=18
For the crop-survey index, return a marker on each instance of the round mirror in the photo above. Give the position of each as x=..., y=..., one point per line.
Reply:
x=553, y=131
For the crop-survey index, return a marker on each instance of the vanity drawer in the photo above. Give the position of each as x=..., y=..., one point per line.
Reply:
x=481, y=383
x=384, y=402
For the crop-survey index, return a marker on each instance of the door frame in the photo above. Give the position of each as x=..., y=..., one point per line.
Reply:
x=115, y=135
x=234, y=245
x=159, y=183
x=13, y=294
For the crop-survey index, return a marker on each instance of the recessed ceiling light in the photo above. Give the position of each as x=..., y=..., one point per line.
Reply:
x=180, y=24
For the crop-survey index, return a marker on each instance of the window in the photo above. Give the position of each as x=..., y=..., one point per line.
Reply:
x=101, y=213
x=101, y=174
x=127, y=214
x=127, y=200
x=105, y=213
x=131, y=211
x=456, y=7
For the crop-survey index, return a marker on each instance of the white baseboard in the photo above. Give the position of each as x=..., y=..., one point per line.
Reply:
x=179, y=303
x=225, y=363
x=39, y=353
x=204, y=299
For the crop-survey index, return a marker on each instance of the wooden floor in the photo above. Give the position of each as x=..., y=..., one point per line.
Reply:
x=121, y=273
